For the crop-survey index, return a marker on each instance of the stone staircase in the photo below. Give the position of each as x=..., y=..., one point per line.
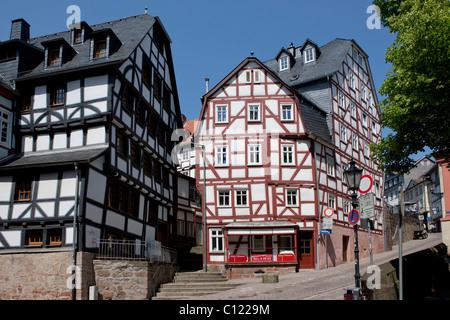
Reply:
x=189, y=284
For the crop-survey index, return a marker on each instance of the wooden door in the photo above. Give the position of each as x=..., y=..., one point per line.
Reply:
x=306, y=250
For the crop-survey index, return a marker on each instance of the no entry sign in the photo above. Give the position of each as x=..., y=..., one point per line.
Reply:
x=353, y=217
x=328, y=212
x=365, y=184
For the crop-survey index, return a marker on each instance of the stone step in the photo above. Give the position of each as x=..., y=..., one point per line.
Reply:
x=174, y=287
x=193, y=279
x=190, y=284
x=184, y=294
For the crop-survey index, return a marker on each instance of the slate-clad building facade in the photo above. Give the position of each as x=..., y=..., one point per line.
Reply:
x=92, y=110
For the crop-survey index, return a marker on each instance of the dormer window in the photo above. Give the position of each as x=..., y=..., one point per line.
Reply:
x=77, y=36
x=309, y=55
x=54, y=57
x=57, y=52
x=104, y=43
x=79, y=32
x=100, y=48
x=284, y=63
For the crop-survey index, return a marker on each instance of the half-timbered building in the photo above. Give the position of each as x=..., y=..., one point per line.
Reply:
x=278, y=137
x=95, y=112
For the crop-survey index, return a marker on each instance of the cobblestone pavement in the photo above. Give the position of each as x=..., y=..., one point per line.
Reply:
x=325, y=284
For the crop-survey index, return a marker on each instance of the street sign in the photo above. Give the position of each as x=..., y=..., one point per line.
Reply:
x=327, y=223
x=328, y=212
x=366, y=204
x=365, y=184
x=353, y=217
x=325, y=231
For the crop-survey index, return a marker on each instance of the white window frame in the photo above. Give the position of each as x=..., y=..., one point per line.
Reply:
x=221, y=106
x=341, y=99
x=363, y=92
x=285, y=151
x=256, y=76
x=353, y=110
x=309, y=55
x=290, y=112
x=224, y=196
x=241, y=194
x=291, y=194
x=185, y=153
x=216, y=240
x=248, y=76
x=330, y=166
x=351, y=79
x=374, y=128
x=347, y=206
x=221, y=156
x=332, y=201
x=284, y=63
x=366, y=149
x=254, y=154
x=250, y=108
x=343, y=133
x=355, y=142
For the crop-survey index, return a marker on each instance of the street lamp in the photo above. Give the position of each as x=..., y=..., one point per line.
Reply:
x=353, y=177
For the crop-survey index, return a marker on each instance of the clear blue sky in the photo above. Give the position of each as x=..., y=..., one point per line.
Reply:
x=212, y=37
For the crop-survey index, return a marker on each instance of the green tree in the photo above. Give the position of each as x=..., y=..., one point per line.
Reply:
x=416, y=91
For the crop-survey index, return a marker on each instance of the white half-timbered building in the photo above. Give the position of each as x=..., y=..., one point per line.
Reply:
x=96, y=110
x=275, y=156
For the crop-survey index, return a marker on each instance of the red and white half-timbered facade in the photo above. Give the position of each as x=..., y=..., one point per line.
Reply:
x=276, y=150
x=260, y=181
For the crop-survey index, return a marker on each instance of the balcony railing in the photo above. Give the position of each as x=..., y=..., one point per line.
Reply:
x=135, y=250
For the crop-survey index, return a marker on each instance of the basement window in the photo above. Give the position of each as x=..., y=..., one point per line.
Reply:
x=54, y=237
x=33, y=237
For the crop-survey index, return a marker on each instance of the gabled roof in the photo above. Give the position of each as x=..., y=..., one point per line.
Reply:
x=314, y=119
x=129, y=31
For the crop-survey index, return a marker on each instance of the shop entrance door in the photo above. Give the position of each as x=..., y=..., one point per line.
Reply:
x=306, y=249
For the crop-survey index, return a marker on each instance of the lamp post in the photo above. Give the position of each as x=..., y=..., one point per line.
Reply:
x=353, y=177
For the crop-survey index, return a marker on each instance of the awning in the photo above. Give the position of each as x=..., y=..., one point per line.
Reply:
x=261, y=227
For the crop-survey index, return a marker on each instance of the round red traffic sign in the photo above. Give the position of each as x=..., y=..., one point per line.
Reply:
x=328, y=212
x=365, y=184
x=353, y=217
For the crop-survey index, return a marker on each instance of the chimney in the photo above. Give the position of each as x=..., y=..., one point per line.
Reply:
x=291, y=49
x=207, y=84
x=20, y=29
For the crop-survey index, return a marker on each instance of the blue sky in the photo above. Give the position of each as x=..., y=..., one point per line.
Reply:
x=210, y=38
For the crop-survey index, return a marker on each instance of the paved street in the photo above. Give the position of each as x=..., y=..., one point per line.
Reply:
x=326, y=284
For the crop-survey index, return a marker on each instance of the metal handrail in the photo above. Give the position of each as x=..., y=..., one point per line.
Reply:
x=137, y=250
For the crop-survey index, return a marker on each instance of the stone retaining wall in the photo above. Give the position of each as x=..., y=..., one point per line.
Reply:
x=130, y=280
x=43, y=275
x=47, y=276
